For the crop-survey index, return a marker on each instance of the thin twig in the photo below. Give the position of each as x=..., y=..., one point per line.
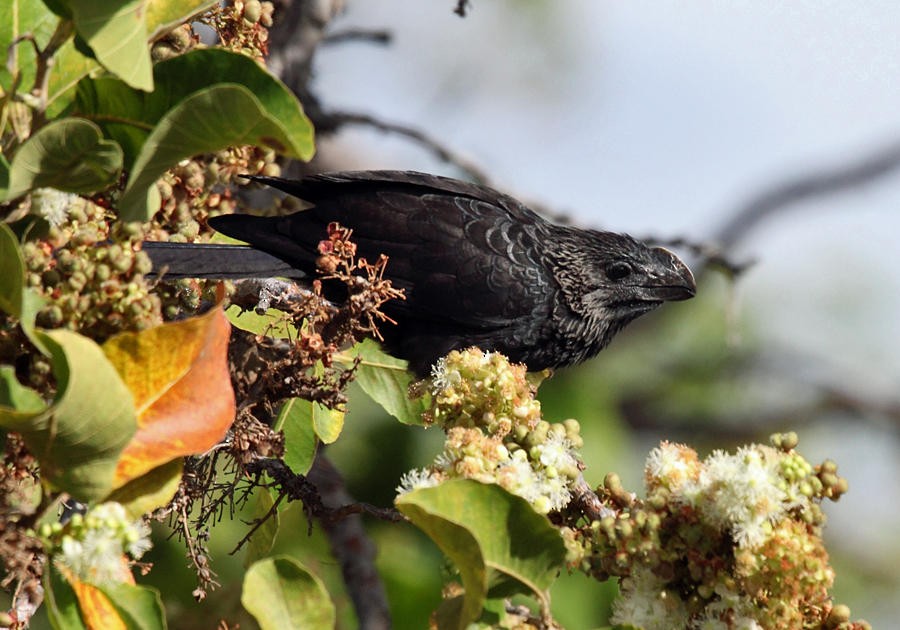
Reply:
x=64, y=30
x=586, y=501
x=461, y=7
x=12, y=57
x=259, y=522
x=779, y=198
x=340, y=118
x=262, y=294
x=383, y=37
x=710, y=254
x=385, y=514
x=641, y=413
x=795, y=190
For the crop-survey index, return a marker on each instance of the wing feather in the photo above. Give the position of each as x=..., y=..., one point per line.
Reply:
x=464, y=254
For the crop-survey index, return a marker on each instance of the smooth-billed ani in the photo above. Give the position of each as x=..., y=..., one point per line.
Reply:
x=478, y=267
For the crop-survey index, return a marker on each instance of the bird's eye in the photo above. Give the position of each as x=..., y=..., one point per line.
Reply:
x=618, y=270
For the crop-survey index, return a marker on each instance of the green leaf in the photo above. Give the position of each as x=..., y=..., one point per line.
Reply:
x=204, y=122
x=495, y=539
x=15, y=298
x=164, y=15
x=151, y=490
x=62, y=604
x=273, y=323
x=295, y=420
x=116, y=31
x=281, y=594
x=327, y=423
x=70, y=65
x=18, y=17
x=69, y=154
x=139, y=607
x=205, y=100
x=386, y=380
x=263, y=539
x=77, y=440
x=16, y=399
x=124, y=114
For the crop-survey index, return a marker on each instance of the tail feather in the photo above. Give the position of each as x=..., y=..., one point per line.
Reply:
x=215, y=261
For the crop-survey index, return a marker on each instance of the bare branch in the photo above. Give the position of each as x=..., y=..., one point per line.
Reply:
x=778, y=198
x=338, y=119
x=258, y=522
x=384, y=514
x=353, y=549
x=641, y=413
x=805, y=187
x=378, y=36
x=461, y=6
x=261, y=294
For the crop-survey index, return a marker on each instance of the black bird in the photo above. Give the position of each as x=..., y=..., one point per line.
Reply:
x=477, y=266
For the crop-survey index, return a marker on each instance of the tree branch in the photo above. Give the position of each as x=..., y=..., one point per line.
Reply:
x=461, y=6
x=336, y=119
x=352, y=548
x=802, y=188
x=378, y=36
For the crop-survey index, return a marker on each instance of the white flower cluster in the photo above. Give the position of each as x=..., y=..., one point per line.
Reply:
x=730, y=542
x=744, y=492
x=93, y=546
x=645, y=603
x=542, y=477
x=52, y=204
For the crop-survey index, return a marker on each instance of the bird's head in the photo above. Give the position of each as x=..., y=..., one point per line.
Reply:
x=610, y=279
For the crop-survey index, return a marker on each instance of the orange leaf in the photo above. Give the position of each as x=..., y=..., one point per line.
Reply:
x=96, y=610
x=178, y=375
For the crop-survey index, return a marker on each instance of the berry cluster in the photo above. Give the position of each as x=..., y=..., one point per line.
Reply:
x=88, y=268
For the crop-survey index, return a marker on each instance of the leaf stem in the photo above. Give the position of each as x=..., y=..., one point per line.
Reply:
x=65, y=29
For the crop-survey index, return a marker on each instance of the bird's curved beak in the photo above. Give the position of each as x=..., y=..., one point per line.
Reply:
x=673, y=281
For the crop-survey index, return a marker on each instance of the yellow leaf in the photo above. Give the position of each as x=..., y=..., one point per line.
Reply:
x=178, y=375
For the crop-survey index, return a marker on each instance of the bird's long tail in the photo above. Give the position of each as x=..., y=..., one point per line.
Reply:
x=215, y=261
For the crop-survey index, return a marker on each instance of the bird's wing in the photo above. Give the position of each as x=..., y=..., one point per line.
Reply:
x=461, y=259
x=328, y=186
x=464, y=261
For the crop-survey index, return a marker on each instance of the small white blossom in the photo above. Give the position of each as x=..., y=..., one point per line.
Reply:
x=137, y=540
x=557, y=452
x=644, y=603
x=442, y=378
x=517, y=477
x=555, y=490
x=671, y=465
x=742, y=492
x=94, y=547
x=415, y=479
x=52, y=204
x=72, y=554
